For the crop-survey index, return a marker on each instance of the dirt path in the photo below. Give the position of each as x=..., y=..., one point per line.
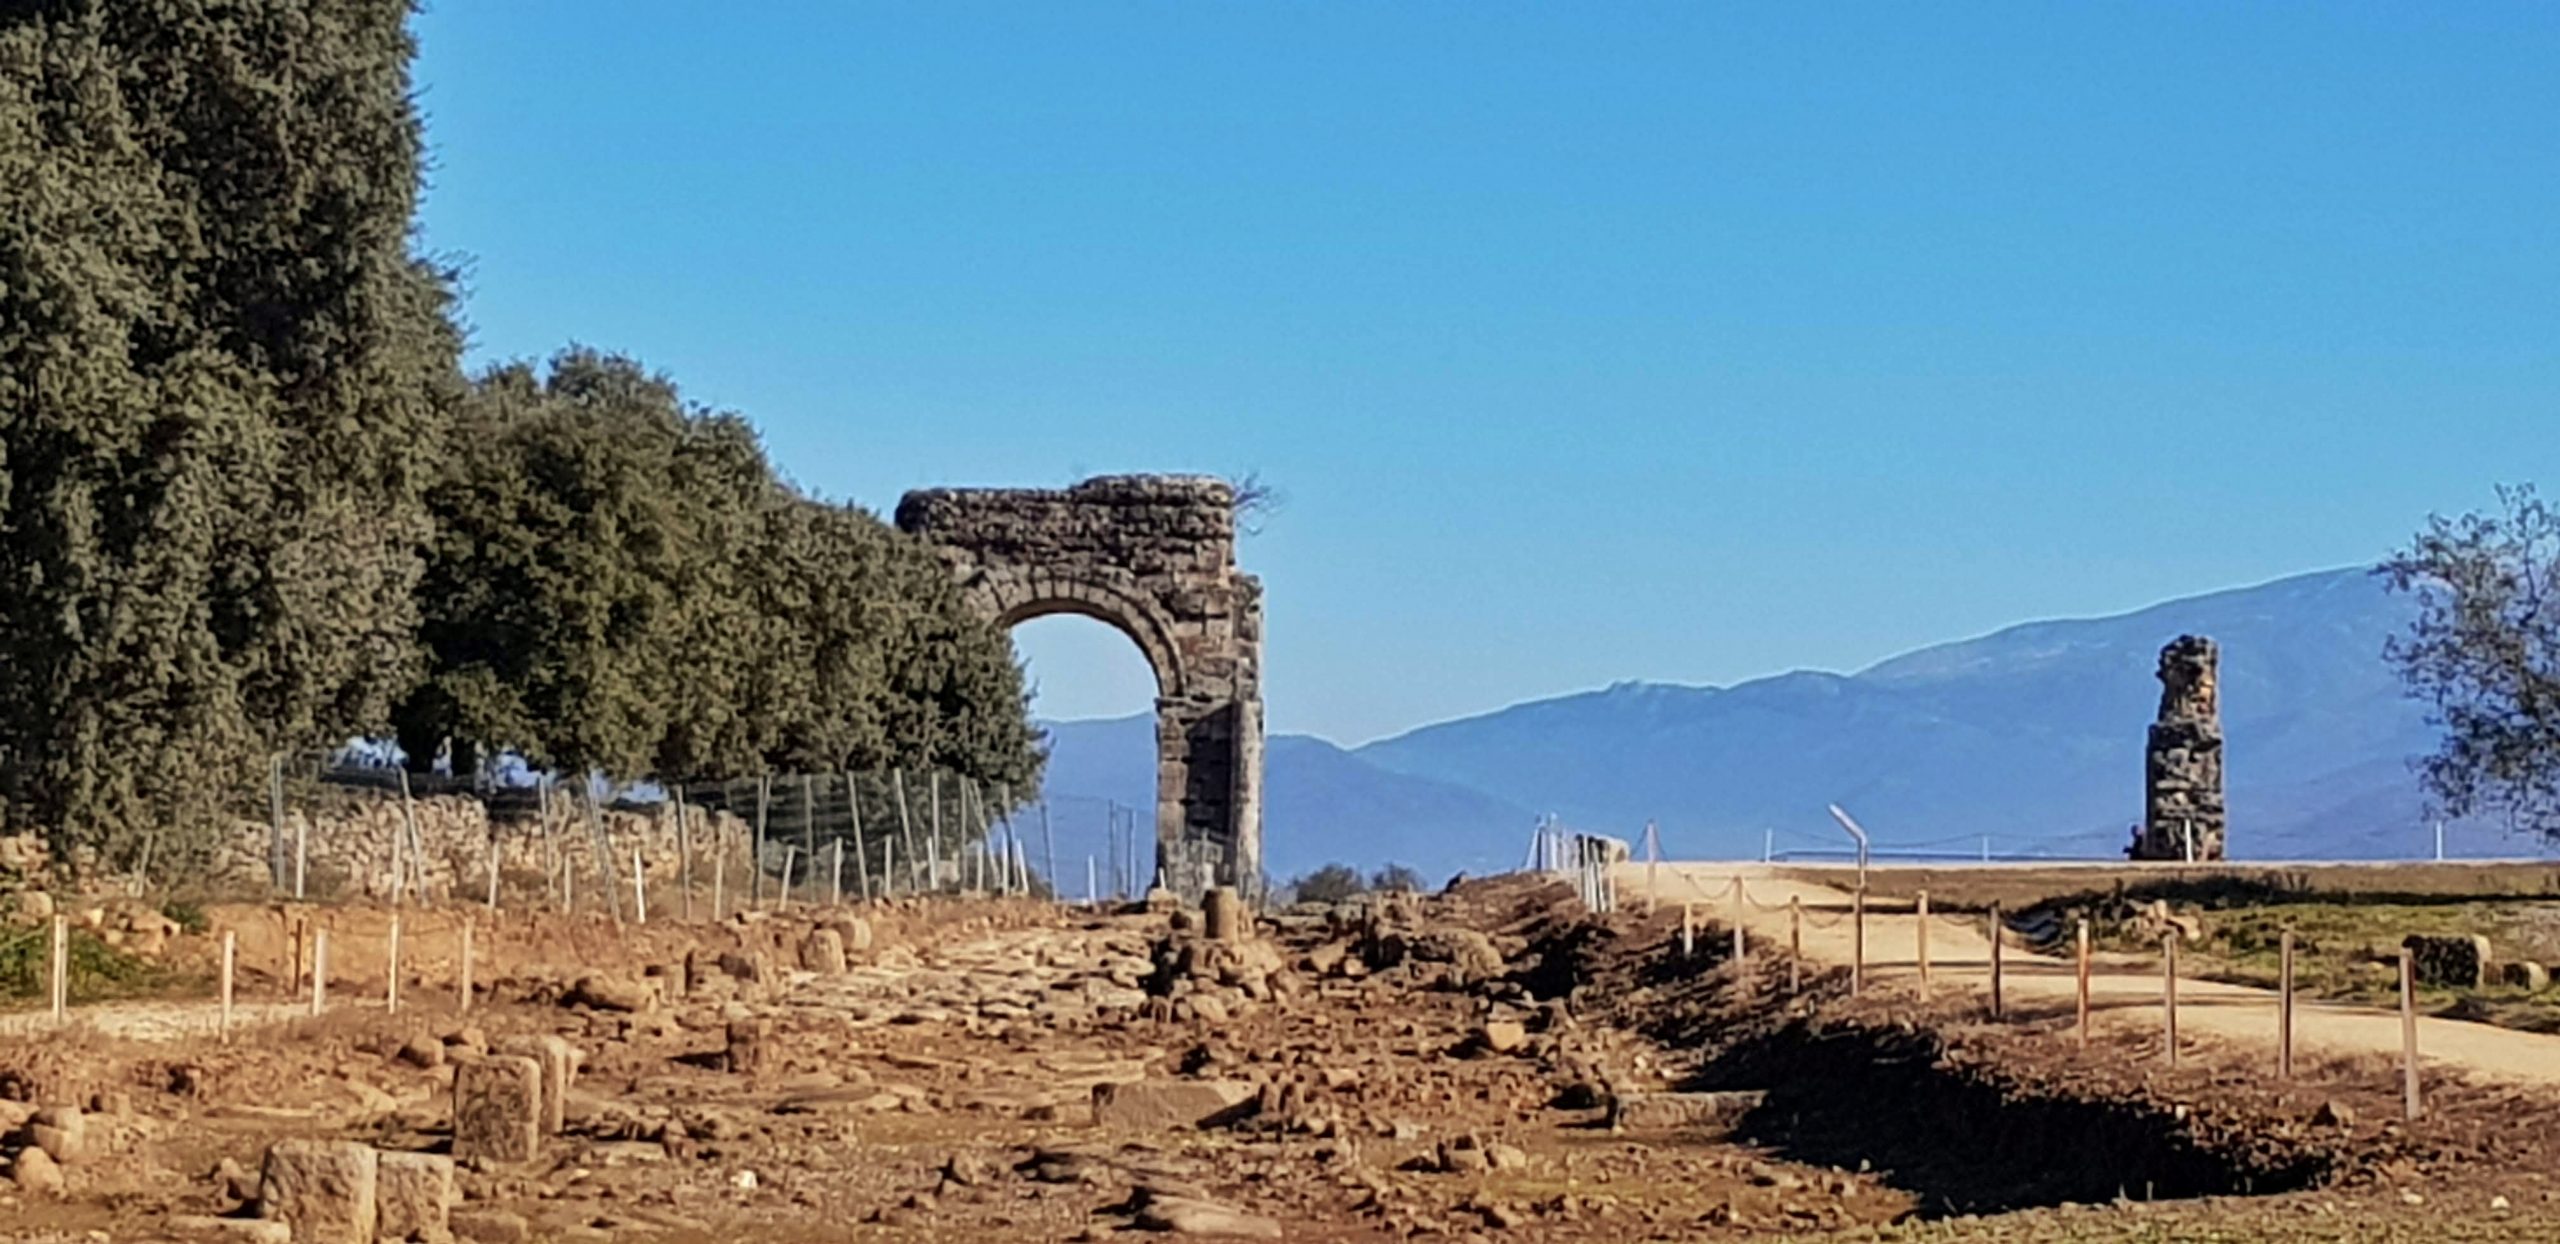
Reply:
x=2124, y=991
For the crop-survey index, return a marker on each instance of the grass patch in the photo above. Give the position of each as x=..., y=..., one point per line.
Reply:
x=97, y=971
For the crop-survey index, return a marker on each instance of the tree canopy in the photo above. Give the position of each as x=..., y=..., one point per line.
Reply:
x=2484, y=653
x=250, y=504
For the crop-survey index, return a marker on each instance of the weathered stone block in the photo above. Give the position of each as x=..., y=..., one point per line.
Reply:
x=490, y=1226
x=2524, y=974
x=1158, y=1105
x=323, y=1189
x=750, y=1043
x=1223, y=909
x=497, y=1109
x=2456, y=962
x=559, y=1062
x=413, y=1195
x=822, y=952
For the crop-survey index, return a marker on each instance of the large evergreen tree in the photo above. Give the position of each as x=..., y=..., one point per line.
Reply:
x=220, y=372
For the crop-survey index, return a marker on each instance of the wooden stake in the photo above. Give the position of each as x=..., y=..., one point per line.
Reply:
x=719, y=872
x=1688, y=931
x=61, y=968
x=2410, y=1106
x=2284, y=1006
x=782, y=892
x=463, y=1004
x=755, y=849
x=1741, y=949
x=1858, y=939
x=230, y=963
x=809, y=832
x=1795, y=943
x=639, y=887
x=319, y=970
x=1924, y=949
x=1998, y=995
x=2084, y=984
x=2169, y=992
x=391, y=991
x=301, y=855
x=835, y=882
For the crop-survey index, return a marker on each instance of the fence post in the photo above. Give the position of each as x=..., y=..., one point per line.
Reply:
x=301, y=855
x=809, y=833
x=1652, y=867
x=275, y=820
x=861, y=853
x=782, y=892
x=2169, y=992
x=1049, y=847
x=61, y=972
x=2410, y=1106
x=604, y=855
x=391, y=985
x=933, y=844
x=463, y=1005
x=719, y=873
x=2284, y=1006
x=906, y=825
x=230, y=963
x=684, y=858
x=639, y=887
x=755, y=848
x=1741, y=949
x=2083, y=974
x=1999, y=998
x=319, y=969
x=1923, y=944
x=1092, y=880
x=400, y=843
x=1688, y=931
x=1795, y=943
x=495, y=855
x=1858, y=939
x=835, y=878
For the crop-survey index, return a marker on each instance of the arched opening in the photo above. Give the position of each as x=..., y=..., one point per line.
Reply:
x=1093, y=693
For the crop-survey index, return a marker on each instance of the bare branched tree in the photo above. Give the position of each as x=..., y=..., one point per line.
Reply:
x=2484, y=653
x=1256, y=501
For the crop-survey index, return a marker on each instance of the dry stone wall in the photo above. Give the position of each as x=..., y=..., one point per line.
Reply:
x=1154, y=556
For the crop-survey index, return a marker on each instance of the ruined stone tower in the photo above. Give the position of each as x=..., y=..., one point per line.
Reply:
x=2182, y=812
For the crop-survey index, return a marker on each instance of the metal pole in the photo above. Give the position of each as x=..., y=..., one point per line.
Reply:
x=861, y=853
x=755, y=852
x=835, y=878
x=1857, y=832
x=906, y=824
x=933, y=785
x=1858, y=938
x=275, y=820
x=1049, y=847
x=1092, y=886
x=809, y=833
x=684, y=857
x=719, y=868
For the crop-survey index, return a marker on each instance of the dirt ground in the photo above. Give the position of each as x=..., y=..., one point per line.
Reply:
x=1440, y=1067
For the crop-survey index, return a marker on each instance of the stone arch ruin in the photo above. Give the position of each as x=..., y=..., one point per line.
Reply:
x=1153, y=556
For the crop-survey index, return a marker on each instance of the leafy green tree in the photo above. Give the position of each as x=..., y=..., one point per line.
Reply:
x=2484, y=652
x=221, y=370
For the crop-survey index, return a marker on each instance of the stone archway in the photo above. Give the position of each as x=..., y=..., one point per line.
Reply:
x=1155, y=557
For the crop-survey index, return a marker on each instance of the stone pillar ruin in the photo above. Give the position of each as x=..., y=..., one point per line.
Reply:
x=1154, y=556
x=2182, y=808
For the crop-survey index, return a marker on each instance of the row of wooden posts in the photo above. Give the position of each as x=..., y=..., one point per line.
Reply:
x=315, y=965
x=2411, y=1101
x=1002, y=857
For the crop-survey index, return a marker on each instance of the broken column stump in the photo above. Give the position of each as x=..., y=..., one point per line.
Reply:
x=1222, y=909
x=324, y=1189
x=2183, y=815
x=559, y=1063
x=497, y=1109
x=413, y=1194
x=750, y=1043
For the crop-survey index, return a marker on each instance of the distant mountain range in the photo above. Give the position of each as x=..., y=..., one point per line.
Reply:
x=2025, y=742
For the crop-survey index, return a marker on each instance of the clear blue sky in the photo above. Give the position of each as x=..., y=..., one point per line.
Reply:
x=1588, y=341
